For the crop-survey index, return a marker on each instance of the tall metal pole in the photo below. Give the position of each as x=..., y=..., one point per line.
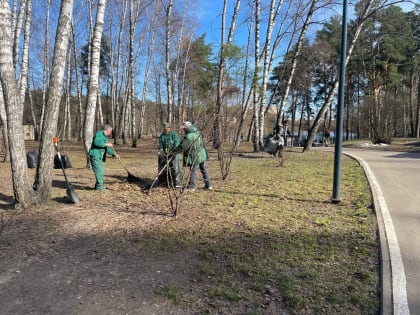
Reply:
x=340, y=108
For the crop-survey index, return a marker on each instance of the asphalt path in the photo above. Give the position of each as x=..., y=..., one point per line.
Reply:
x=395, y=181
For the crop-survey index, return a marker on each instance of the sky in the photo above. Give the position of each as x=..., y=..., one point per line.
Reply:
x=209, y=14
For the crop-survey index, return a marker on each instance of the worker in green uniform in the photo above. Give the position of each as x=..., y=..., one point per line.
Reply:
x=97, y=154
x=168, y=159
x=194, y=155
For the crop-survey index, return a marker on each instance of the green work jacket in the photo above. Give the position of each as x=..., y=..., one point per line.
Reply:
x=98, y=148
x=168, y=142
x=194, y=151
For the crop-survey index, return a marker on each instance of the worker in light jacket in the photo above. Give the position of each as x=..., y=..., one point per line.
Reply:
x=194, y=155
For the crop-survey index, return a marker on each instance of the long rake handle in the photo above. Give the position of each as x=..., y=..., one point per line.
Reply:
x=70, y=190
x=62, y=166
x=122, y=164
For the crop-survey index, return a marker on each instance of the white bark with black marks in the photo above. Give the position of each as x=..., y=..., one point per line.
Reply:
x=43, y=180
x=93, y=85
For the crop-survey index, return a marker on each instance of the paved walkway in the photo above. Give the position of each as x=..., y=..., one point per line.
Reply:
x=395, y=181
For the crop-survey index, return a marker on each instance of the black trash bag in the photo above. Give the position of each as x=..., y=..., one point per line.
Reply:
x=32, y=158
x=271, y=144
x=64, y=159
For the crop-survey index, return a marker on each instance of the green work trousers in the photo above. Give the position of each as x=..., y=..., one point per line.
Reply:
x=98, y=170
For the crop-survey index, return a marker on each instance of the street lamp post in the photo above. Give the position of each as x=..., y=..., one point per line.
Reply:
x=340, y=108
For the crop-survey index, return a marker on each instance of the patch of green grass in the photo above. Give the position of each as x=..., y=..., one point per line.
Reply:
x=230, y=292
x=172, y=293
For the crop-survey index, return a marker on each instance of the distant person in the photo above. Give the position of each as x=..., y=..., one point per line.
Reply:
x=97, y=154
x=194, y=155
x=280, y=133
x=168, y=142
x=327, y=135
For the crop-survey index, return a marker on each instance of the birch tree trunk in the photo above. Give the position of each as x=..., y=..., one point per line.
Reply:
x=279, y=37
x=266, y=68
x=117, y=111
x=67, y=105
x=46, y=65
x=133, y=22
x=17, y=31
x=77, y=79
x=150, y=50
x=93, y=80
x=33, y=114
x=245, y=101
x=24, y=67
x=43, y=180
x=99, y=113
x=182, y=89
x=317, y=122
x=255, y=83
x=181, y=64
x=168, y=60
x=14, y=109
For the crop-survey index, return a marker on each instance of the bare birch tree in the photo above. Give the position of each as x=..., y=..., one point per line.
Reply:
x=169, y=83
x=14, y=106
x=14, y=100
x=77, y=79
x=93, y=85
x=134, y=12
x=67, y=125
x=43, y=180
x=46, y=64
x=18, y=30
x=256, y=78
x=116, y=81
x=268, y=60
x=24, y=67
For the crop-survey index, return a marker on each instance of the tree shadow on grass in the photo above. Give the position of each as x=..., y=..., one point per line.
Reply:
x=264, y=155
x=113, y=264
x=62, y=184
x=133, y=180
